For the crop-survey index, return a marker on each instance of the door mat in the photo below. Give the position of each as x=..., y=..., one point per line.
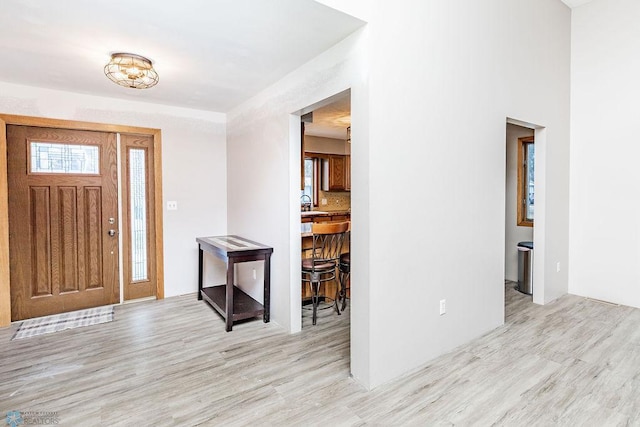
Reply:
x=60, y=322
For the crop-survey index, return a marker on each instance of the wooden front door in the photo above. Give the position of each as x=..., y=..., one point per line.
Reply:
x=63, y=207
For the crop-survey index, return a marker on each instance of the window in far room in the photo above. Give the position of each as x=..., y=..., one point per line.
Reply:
x=526, y=187
x=311, y=182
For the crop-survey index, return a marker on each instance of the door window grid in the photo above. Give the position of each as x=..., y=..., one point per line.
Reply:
x=49, y=157
x=138, y=214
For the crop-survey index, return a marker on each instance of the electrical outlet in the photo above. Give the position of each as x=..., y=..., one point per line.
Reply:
x=557, y=267
x=443, y=306
x=172, y=205
x=323, y=201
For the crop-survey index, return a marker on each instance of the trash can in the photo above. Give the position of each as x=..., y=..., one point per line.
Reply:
x=525, y=268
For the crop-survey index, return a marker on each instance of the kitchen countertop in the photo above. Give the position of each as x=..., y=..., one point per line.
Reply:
x=325, y=213
x=305, y=227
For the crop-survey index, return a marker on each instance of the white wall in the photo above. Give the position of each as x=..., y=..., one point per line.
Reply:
x=605, y=185
x=459, y=68
x=513, y=232
x=428, y=143
x=193, y=166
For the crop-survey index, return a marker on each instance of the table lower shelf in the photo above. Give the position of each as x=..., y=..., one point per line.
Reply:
x=244, y=307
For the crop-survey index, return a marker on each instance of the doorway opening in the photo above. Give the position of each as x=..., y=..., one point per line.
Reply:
x=325, y=197
x=519, y=212
x=524, y=207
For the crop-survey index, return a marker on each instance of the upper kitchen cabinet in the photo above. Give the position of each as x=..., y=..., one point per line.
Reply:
x=335, y=173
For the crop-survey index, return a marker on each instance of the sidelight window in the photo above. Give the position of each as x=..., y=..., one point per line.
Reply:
x=139, y=228
x=138, y=214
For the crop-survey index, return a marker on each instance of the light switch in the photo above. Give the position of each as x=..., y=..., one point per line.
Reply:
x=172, y=205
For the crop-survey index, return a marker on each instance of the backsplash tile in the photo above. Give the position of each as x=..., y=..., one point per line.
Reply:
x=336, y=201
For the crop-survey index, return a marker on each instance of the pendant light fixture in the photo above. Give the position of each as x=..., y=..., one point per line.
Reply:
x=131, y=70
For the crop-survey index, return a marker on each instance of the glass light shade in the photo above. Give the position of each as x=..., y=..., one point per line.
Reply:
x=130, y=70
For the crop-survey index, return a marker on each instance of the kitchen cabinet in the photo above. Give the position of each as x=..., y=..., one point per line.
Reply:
x=347, y=173
x=334, y=173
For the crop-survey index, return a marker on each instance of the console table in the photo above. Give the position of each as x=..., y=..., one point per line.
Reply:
x=228, y=300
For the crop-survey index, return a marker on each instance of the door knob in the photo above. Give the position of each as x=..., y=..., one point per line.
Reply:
x=112, y=233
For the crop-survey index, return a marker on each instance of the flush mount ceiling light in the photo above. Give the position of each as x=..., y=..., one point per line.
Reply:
x=130, y=70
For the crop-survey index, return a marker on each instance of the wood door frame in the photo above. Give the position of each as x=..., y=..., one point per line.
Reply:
x=7, y=119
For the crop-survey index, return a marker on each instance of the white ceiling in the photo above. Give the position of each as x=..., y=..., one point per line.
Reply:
x=332, y=120
x=210, y=54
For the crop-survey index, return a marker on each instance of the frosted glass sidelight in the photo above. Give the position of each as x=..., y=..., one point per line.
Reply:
x=138, y=214
x=47, y=157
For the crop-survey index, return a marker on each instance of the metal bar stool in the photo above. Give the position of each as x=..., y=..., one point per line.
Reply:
x=344, y=267
x=322, y=265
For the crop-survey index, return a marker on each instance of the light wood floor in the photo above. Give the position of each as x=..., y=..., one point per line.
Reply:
x=574, y=362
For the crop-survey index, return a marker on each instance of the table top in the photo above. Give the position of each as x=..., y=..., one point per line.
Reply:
x=232, y=245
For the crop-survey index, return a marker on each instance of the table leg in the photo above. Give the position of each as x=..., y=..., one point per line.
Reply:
x=267, y=287
x=199, y=273
x=229, y=294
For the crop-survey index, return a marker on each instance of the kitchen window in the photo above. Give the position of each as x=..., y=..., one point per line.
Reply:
x=526, y=186
x=311, y=180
